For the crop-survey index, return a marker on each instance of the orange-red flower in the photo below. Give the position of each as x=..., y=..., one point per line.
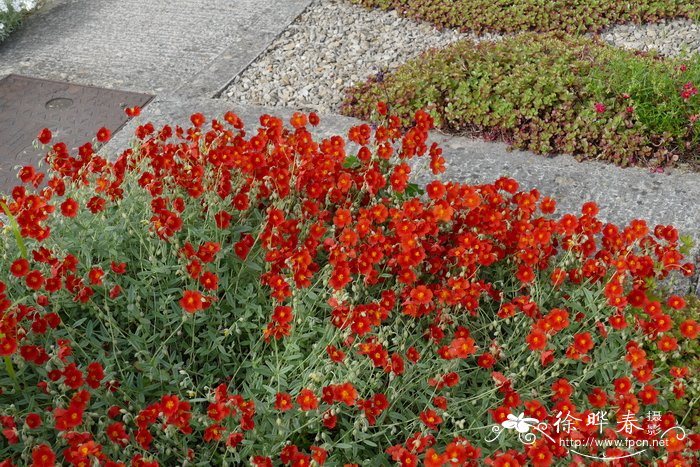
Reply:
x=689, y=328
x=431, y=419
x=676, y=302
x=667, y=343
x=103, y=135
x=307, y=400
x=583, y=342
x=536, y=340
x=283, y=401
x=69, y=208
x=191, y=301
x=44, y=136
x=19, y=267
x=43, y=456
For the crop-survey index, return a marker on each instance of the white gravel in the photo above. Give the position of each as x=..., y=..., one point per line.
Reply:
x=335, y=44
x=331, y=46
x=670, y=38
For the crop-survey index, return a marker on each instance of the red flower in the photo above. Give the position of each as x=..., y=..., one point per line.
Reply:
x=34, y=280
x=8, y=346
x=197, y=119
x=536, y=340
x=19, y=267
x=43, y=456
x=95, y=374
x=69, y=418
x=431, y=419
x=169, y=404
x=676, y=302
x=622, y=385
x=117, y=434
x=283, y=314
x=421, y=295
x=260, y=461
x=462, y=347
x=133, y=111
x=115, y=291
x=336, y=355
x=234, y=439
x=283, y=401
x=298, y=120
x=69, y=208
x=412, y=354
x=103, y=135
x=73, y=376
x=118, y=268
x=223, y=219
x=345, y=393
x=33, y=421
x=340, y=277
x=307, y=400
x=213, y=433
x=667, y=344
x=689, y=329
x=562, y=389
x=209, y=280
x=600, y=107
x=525, y=274
x=44, y=136
x=486, y=360
x=598, y=398
x=95, y=276
x=191, y=301
x=648, y=395
x=583, y=342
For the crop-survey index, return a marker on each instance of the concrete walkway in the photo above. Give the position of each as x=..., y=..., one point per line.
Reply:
x=153, y=46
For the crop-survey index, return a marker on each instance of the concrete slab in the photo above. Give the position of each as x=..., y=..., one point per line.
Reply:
x=152, y=46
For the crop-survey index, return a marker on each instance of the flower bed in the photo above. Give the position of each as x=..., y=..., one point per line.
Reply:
x=11, y=14
x=215, y=297
x=549, y=93
x=572, y=16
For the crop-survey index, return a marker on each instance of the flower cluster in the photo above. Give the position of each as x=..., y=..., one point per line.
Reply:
x=216, y=297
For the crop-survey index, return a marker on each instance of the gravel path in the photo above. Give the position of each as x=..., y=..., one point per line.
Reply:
x=334, y=44
x=668, y=38
x=331, y=46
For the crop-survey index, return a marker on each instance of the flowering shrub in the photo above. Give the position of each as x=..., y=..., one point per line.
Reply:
x=550, y=94
x=572, y=16
x=11, y=14
x=214, y=297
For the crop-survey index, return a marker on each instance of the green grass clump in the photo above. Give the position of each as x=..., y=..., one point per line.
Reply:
x=550, y=93
x=504, y=16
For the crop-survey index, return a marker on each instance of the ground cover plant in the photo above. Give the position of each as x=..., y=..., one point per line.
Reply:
x=218, y=297
x=11, y=14
x=508, y=16
x=551, y=93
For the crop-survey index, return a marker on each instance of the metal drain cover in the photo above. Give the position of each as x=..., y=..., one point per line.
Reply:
x=72, y=112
